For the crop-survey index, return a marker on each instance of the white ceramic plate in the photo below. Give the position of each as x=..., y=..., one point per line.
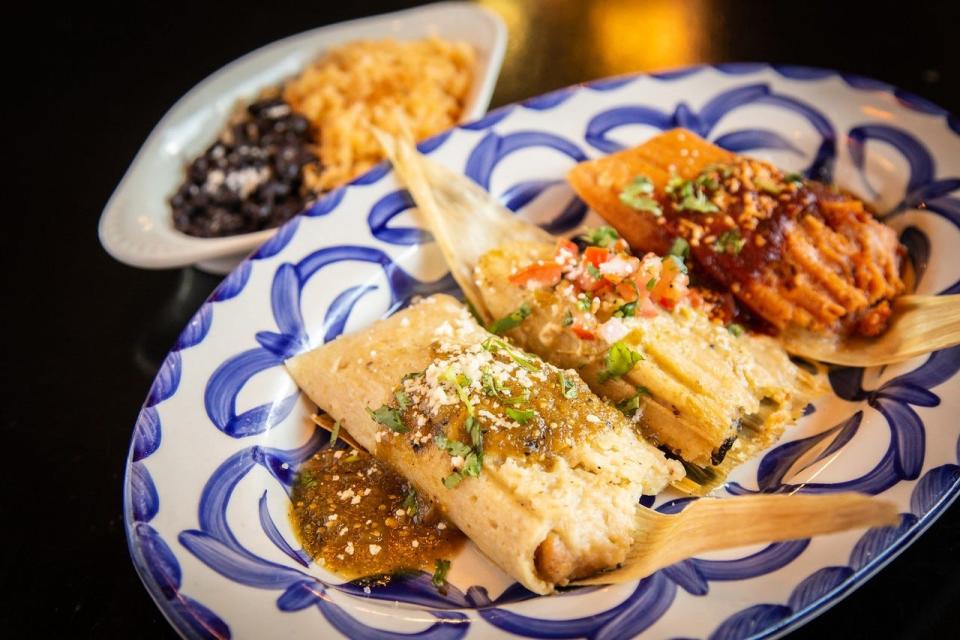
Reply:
x=136, y=226
x=216, y=446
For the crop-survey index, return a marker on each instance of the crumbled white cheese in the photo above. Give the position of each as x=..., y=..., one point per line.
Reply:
x=374, y=549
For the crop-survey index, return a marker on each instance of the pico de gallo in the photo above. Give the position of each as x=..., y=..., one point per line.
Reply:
x=604, y=281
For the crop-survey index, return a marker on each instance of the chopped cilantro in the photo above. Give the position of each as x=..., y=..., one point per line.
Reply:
x=403, y=401
x=690, y=195
x=472, y=465
x=526, y=361
x=409, y=503
x=491, y=386
x=452, y=480
x=631, y=405
x=334, y=433
x=567, y=387
x=593, y=271
x=460, y=382
x=768, y=186
x=511, y=320
x=627, y=310
x=476, y=434
x=796, y=178
x=680, y=248
x=637, y=195
x=600, y=237
x=567, y=319
x=698, y=202
x=736, y=329
x=678, y=261
x=515, y=400
x=523, y=416
x=411, y=375
x=307, y=479
x=651, y=284
x=619, y=360
x=388, y=417
x=729, y=242
x=675, y=184
x=584, y=303
x=453, y=447
x=440, y=571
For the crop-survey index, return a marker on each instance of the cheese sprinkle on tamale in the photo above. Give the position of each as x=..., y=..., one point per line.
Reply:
x=542, y=475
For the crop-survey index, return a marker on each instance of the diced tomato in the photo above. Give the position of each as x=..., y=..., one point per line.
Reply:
x=627, y=291
x=596, y=255
x=537, y=275
x=582, y=333
x=645, y=308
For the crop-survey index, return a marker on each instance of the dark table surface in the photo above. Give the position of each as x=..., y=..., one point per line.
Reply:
x=85, y=334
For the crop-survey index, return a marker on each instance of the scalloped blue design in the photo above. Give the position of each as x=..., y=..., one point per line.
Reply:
x=278, y=241
x=751, y=621
x=493, y=148
x=196, y=330
x=327, y=204
x=702, y=123
x=233, y=284
x=218, y=548
x=146, y=434
x=167, y=380
x=385, y=210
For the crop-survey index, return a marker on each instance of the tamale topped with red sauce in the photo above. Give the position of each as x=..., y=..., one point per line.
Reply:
x=796, y=252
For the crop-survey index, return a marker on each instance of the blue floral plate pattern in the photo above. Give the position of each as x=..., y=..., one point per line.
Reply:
x=218, y=441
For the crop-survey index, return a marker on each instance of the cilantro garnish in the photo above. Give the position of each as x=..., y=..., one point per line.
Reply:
x=680, y=248
x=584, y=303
x=637, y=195
x=460, y=382
x=567, y=319
x=699, y=203
x=307, y=479
x=453, y=447
x=471, y=465
x=736, y=329
x=522, y=416
x=631, y=405
x=452, y=480
x=491, y=386
x=593, y=271
x=334, y=433
x=794, y=177
x=409, y=503
x=768, y=186
x=619, y=360
x=388, y=417
x=567, y=387
x=403, y=401
x=494, y=345
x=678, y=261
x=651, y=284
x=627, y=310
x=729, y=242
x=600, y=237
x=690, y=194
x=440, y=571
x=511, y=320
